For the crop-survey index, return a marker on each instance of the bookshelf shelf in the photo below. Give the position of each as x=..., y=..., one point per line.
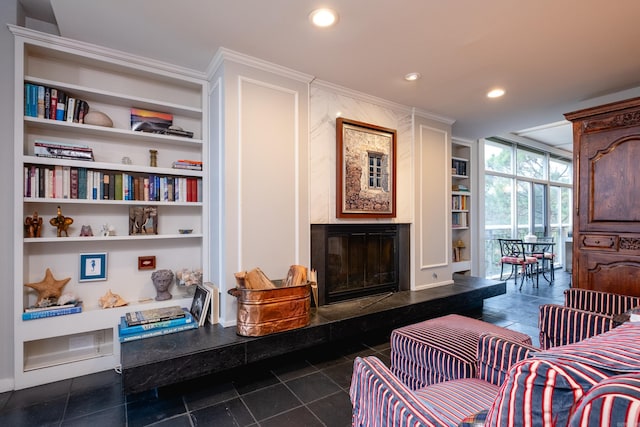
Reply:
x=111, y=82
x=461, y=208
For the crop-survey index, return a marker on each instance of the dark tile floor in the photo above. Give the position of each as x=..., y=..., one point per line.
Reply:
x=307, y=388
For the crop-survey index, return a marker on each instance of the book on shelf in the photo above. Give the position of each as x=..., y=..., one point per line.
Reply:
x=158, y=332
x=52, y=311
x=154, y=315
x=214, y=302
x=125, y=329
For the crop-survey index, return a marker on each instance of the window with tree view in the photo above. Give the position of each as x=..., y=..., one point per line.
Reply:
x=526, y=191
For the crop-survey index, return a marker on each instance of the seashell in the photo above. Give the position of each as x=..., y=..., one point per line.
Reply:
x=98, y=118
x=110, y=300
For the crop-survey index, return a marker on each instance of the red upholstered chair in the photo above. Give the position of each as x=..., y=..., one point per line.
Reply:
x=512, y=253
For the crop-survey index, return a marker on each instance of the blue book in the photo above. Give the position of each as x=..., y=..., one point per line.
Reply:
x=124, y=329
x=82, y=183
x=158, y=332
x=51, y=312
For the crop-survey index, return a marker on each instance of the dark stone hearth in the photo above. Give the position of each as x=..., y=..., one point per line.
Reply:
x=161, y=361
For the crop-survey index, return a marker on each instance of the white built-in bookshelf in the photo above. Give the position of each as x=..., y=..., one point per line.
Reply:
x=461, y=205
x=111, y=82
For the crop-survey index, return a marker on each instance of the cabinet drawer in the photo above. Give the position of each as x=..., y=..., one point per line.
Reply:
x=599, y=242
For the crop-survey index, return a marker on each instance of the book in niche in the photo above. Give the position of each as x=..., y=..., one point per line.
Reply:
x=154, y=315
x=150, y=121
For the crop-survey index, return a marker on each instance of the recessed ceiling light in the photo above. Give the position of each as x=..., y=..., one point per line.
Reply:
x=323, y=17
x=495, y=93
x=412, y=76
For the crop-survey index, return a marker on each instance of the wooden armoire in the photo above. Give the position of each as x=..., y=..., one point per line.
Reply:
x=606, y=228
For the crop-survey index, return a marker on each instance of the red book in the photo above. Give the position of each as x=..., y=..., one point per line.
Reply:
x=54, y=104
x=192, y=190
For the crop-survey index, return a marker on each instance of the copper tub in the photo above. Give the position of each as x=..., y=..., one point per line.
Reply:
x=267, y=311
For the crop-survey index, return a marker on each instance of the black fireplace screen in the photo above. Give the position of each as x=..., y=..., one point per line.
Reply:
x=361, y=263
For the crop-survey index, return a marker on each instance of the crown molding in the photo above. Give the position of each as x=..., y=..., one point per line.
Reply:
x=113, y=55
x=223, y=54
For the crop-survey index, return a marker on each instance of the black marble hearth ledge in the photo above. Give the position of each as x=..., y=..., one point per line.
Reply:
x=164, y=360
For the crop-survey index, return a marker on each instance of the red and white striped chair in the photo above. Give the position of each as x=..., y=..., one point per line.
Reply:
x=585, y=313
x=593, y=382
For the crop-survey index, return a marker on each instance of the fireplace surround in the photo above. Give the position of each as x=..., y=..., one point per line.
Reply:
x=356, y=260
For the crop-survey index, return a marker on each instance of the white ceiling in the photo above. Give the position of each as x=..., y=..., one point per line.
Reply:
x=551, y=56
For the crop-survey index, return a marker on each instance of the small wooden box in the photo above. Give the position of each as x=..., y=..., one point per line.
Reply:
x=267, y=311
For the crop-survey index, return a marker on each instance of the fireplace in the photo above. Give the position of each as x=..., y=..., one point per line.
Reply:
x=356, y=260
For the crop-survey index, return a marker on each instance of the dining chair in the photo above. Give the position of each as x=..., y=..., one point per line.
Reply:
x=545, y=254
x=512, y=253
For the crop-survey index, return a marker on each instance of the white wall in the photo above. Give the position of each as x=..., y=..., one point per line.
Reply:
x=11, y=14
x=326, y=103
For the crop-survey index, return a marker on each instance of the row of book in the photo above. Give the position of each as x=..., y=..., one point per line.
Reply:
x=32, y=313
x=459, y=167
x=459, y=202
x=66, y=182
x=459, y=219
x=46, y=102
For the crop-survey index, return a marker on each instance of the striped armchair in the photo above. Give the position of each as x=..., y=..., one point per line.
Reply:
x=380, y=399
x=585, y=313
x=592, y=382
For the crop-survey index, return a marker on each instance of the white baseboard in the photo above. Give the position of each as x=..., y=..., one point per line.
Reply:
x=6, y=384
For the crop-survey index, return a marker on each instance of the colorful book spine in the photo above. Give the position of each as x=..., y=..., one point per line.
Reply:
x=124, y=329
x=42, y=314
x=158, y=332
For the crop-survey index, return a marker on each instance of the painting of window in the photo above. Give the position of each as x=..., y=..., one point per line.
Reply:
x=365, y=170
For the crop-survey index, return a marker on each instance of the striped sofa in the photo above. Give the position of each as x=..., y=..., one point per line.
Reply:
x=592, y=382
x=585, y=313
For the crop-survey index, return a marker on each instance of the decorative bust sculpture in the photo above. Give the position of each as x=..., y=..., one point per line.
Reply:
x=162, y=279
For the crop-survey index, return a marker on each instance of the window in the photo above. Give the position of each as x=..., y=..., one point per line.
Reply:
x=375, y=170
x=526, y=191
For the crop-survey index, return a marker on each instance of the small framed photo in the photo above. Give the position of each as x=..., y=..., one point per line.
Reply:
x=147, y=262
x=93, y=267
x=200, y=304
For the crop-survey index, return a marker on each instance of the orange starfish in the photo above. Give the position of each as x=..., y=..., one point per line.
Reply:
x=48, y=287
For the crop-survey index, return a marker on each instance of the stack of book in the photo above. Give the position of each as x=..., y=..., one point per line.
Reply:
x=32, y=313
x=62, y=150
x=187, y=164
x=137, y=325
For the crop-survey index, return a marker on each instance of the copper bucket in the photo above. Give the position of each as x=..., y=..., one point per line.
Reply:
x=267, y=311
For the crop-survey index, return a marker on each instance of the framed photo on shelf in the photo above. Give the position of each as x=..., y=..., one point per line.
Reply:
x=147, y=262
x=366, y=170
x=93, y=267
x=200, y=304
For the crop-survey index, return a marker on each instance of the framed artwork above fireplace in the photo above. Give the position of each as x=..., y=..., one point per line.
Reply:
x=366, y=170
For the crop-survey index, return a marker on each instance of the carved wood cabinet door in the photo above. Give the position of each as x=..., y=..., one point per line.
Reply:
x=607, y=198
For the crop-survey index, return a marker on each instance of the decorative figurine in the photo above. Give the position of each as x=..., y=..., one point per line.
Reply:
x=33, y=225
x=61, y=222
x=126, y=160
x=48, y=287
x=153, y=158
x=162, y=279
x=107, y=230
x=86, y=231
x=111, y=300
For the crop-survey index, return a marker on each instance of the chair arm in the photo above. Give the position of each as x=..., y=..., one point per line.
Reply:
x=496, y=354
x=599, y=302
x=614, y=401
x=380, y=399
x=561, y=325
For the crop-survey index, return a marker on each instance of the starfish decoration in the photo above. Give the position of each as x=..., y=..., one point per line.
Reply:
x=48, y=287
